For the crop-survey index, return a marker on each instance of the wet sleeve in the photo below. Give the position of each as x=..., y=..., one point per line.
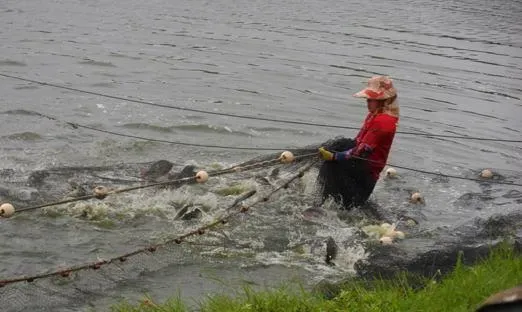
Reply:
x=372, y=138
x=340, y=156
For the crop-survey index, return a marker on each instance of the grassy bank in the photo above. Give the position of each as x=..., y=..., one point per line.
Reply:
x=462, y=290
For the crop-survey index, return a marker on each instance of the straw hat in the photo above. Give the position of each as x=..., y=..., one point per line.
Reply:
x=379, y=88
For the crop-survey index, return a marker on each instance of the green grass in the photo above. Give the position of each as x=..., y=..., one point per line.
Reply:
x=462, y=290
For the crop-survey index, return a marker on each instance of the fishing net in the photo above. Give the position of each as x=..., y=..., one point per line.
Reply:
x=256, y=214
x=74, y=285
x=70, y=290
x=348, y=182
x=193, y=235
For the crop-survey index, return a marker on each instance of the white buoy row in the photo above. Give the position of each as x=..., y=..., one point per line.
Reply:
x=415, y=198
x=7, y=210
x=392, y=173
x=287, y=157
x=390, y=234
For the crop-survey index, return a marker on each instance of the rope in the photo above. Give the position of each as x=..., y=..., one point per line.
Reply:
x=247, y=117
x=265, y=149
x=76, y=125
x=437, y=173
x=121, y=258
x=178, y=240
x=203, y=229
x=102, y=193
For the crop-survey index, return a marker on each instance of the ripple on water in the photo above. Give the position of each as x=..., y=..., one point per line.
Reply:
x=457, y=67
x=12, y=63
x=24, y=136
x=97, y=63
x=145, y=126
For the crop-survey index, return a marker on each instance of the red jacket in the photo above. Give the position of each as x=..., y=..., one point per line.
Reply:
x=377, y=133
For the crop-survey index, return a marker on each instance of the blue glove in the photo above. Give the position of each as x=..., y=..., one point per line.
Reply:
x=340, y=156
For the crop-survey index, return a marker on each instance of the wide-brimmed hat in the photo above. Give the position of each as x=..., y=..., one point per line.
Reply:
x=379, y=88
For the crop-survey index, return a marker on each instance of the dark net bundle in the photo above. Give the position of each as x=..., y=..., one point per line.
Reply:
x=347, y=182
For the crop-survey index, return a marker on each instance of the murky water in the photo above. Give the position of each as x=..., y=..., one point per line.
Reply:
x=457, y=66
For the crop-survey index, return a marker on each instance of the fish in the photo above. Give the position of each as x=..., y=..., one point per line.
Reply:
x=269, y=179
x=312, y=213
x=331, y=251
x=58, y=183
x=185, y=214
x=158, y=169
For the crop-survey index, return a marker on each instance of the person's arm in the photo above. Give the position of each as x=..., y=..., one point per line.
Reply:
x=365, y=145
x=345, y=155
x=369, y=123
x=377, y=132
x=339, y=156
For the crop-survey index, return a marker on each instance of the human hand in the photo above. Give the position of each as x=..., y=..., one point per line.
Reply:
x=325, y=154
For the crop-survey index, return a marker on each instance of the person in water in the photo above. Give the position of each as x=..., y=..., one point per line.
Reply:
x=352, y=166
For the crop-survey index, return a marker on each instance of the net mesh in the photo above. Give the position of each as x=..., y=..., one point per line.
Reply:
x=75, y=289
x=348, y=182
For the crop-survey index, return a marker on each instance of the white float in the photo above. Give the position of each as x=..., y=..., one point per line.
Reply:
x=6, y=210
x=287, y=157
x=201, y=176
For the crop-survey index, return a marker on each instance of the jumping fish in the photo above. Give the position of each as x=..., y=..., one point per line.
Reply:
x=331, y=250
